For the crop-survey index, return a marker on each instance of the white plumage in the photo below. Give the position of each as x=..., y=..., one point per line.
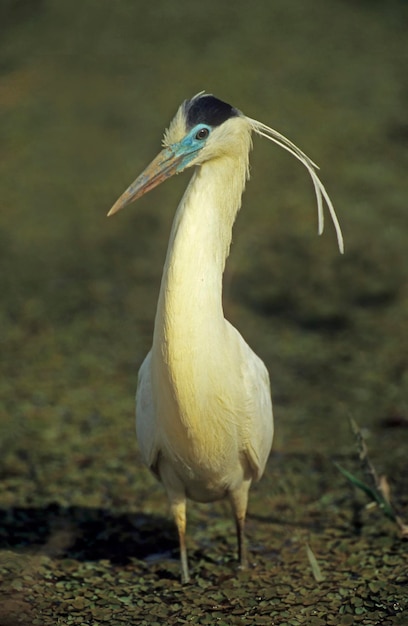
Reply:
x=203, y=405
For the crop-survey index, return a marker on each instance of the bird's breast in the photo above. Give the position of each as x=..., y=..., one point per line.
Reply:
x=195, y=410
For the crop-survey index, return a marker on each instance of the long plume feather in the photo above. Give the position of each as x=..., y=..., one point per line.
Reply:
x=320, y=191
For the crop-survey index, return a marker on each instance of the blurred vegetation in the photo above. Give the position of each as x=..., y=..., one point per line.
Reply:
x=86, y=91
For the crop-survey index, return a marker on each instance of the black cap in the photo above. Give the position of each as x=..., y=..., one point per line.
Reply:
x=206, y=109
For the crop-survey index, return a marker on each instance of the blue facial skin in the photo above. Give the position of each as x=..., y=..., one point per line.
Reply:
x=187, y=149
x=171, y=160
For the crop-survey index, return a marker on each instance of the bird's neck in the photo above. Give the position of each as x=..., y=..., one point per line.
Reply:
x=190, y=301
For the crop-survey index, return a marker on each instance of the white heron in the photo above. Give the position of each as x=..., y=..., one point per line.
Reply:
x=203, y=403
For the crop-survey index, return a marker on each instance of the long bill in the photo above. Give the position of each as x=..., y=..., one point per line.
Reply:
x=164, y=165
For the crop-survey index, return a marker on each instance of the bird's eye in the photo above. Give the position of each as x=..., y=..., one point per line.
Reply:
x=202, y=134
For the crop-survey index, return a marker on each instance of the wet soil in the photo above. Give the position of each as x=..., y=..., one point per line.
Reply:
x=85, y=93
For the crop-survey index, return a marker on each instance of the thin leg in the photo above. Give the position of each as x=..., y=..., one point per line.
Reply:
x=239, y=502
x=178, y=508
x=242, y=548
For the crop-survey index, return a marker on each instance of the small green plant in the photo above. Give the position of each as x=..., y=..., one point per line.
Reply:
x=378, y=491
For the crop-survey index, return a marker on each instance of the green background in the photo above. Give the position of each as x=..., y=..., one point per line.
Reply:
x=86, y=90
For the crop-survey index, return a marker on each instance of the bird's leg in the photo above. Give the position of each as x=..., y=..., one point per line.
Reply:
x=178, y=509
x=239, y=502
x=178, y=506
x=242, y=549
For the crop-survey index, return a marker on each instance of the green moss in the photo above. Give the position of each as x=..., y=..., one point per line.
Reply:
x=85, y=95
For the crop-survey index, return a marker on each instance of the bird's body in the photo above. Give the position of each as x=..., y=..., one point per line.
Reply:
x=203, y=404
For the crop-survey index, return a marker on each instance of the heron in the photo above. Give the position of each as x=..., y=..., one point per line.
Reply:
x=204, y=421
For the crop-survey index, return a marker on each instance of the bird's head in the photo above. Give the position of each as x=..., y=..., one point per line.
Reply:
x=204, y=128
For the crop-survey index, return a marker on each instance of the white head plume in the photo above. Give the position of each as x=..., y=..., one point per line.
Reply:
x=321, y=193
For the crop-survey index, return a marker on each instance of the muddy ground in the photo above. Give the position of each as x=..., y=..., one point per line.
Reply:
x=86, y=92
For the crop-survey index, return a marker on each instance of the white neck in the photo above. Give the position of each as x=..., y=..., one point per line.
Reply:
x=189, y=310
x=191, y=340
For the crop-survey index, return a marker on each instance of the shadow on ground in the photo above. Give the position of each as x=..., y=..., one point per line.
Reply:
x=86, y=534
